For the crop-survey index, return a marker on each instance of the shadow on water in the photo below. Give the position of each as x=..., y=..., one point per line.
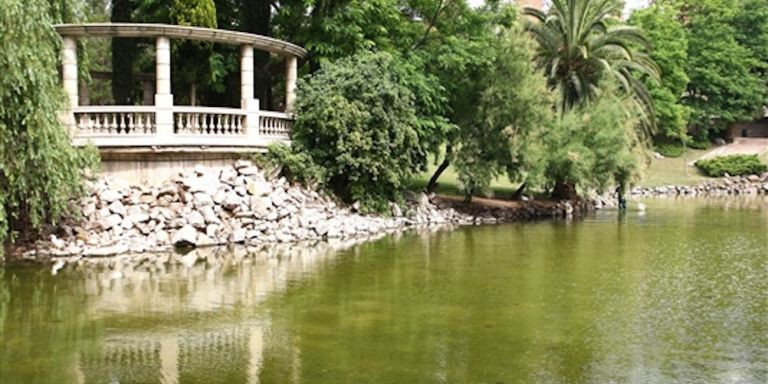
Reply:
x=675, y=295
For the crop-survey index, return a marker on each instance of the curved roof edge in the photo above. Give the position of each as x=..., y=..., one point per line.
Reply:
x=181, y=32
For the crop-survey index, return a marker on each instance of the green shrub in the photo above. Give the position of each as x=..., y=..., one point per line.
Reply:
x=670, y=149
x=700, y=144
x=365, y=121
x=295, y=166
x=735, y=165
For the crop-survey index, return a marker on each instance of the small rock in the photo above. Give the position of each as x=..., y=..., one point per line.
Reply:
x=231, y=201
x=139, y=217
x=239, y=164
x=202, y=199
x=58, y=243
x=187, y=235
x=118, y=208
x=209, y=215
x=248, y=171
x=109, y=196
x=196, y=220
x=238, y=235
x=111, y=221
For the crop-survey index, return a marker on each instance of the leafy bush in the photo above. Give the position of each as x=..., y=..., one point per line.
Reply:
x=670, y=149
x=593, y=146
x=295, y=166
x=368, y=121
x=735, y=165
x=700, y=144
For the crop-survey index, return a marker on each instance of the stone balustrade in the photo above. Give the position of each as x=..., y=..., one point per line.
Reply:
x=120, y=126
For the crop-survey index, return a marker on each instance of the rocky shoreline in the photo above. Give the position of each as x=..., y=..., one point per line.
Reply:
x=239, y=204
x=751, y=185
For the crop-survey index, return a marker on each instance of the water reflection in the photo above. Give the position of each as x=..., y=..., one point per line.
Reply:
x=679, y=295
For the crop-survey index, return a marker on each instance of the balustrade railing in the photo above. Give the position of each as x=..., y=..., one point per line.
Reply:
x=209, y=121
x=150, y=126
x=114, y=121
x=275, y=124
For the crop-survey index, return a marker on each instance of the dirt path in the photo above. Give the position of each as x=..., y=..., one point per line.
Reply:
x=740, y=146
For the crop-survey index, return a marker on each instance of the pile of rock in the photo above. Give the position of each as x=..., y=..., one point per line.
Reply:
x=233, y=204
x=726, y=186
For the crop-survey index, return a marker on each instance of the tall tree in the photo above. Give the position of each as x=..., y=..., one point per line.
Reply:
x=723, y=86
x=123, y=54
x=192, y=73
x=514, y=103
x=39, y=170
x=669, y=40
x=581, y=42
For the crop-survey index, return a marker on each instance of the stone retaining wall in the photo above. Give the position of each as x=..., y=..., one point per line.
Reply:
x=727, y=186
x=237, y=205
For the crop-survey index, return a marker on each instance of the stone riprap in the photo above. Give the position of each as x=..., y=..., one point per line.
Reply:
x=235, y=205
x=726, y=186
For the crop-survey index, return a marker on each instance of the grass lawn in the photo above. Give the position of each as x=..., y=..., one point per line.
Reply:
x=666, y=171
x=674, y=170
x=448, y=184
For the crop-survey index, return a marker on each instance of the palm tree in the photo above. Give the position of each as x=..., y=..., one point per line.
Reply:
x=582, y=42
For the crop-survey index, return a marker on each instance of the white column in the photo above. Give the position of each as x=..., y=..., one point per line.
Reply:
x=163, y=95
x=247, y=102
x=290, y=82
x=69, y=70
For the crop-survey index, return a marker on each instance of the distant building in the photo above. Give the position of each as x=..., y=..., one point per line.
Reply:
x=538, y=4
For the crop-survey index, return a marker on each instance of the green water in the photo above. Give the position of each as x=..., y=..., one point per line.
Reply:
x=679, y=295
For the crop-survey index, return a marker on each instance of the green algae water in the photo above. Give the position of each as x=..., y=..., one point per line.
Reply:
x=676, y=295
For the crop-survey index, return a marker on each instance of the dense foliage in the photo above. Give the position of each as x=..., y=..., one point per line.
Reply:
x=513, y=105
x=669, y=41
x=357, y=119
x=39, y=170
x=594, y=145
x=723, y=87
x=734, y=165
x=582, y=42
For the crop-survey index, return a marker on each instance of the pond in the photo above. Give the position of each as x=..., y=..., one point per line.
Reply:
x=678, y=294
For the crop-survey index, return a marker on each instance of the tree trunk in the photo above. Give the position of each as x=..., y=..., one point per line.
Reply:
x=564, y=190
x=519, y=192
x=257, y=19
x=122, y=56
x=193, y=94
x=440, y=169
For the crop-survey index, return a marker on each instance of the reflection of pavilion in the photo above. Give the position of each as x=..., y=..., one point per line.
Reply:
x=231, y=355
x=216, y=346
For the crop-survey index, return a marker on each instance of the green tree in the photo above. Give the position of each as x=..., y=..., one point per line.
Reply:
x=592, y=146
x=195, y=71
x=39, y=170
x=514, y=104
x=669, y=40
x=751, y=23
x=581, y=42
x=358, y=119
x=123, y=55
x=723, y=87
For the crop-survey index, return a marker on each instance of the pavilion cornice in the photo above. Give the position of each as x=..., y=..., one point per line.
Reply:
x=140, y=30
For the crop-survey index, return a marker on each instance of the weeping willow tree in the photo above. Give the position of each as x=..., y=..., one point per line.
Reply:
x=39, y=170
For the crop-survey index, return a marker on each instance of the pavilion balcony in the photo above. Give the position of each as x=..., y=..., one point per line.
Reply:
x=156, y=140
